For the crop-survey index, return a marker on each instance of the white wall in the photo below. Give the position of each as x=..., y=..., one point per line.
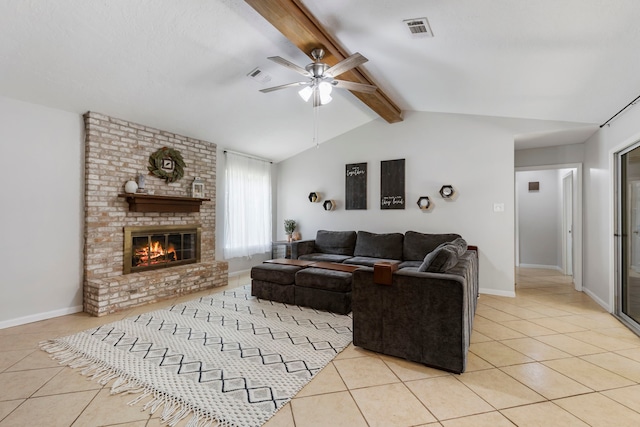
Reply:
x=42, y=212
x=539, y=219
x=599, y=279
x=561, y=154
x=474, y=154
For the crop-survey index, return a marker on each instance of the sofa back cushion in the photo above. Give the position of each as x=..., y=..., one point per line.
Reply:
x=418, y=245
x=335, y=242
x=387, y=246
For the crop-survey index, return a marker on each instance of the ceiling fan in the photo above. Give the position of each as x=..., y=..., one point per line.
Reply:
x=322, y=77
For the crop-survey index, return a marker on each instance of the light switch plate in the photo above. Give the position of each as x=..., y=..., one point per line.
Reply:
x=498, y=207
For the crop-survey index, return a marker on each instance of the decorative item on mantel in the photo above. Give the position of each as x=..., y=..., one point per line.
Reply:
x=197, y=188
x=141, y=189
x=130, y=186
x=167, y=163
x=289, y=228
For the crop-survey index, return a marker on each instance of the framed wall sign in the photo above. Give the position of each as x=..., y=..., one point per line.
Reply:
x=392, y=184
x=356, y=186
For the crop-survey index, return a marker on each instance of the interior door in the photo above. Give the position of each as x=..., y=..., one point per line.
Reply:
x=567, y=223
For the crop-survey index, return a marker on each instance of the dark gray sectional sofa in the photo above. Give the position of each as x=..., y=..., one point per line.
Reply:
x=426, y=314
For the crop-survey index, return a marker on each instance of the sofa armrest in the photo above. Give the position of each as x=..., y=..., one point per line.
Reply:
x=302, y=247
x=423, y=317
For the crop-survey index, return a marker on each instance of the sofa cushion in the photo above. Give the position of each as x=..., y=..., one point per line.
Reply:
x=275, y=273
x=440, y=259
x=273, y=291
x=367, y=261
x=320, y=278
x=387, y=246
x=318, y=257
x=417, y=245
x=336, y=242
x=410, y=264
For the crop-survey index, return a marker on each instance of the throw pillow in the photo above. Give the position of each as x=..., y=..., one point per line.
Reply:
x=460, y=244
x=440, y=259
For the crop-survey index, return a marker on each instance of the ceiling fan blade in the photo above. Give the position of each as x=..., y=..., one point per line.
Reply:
x=290, y=65
x=343, y=84
x=345, y=65
x=296, y=84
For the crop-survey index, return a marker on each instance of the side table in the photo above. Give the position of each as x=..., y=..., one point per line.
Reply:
x=276, y=249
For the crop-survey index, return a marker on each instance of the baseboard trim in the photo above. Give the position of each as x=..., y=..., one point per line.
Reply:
x=239, y=273
x=39, y=316
x=497, y=292
x=541, y=267
x=598, y=301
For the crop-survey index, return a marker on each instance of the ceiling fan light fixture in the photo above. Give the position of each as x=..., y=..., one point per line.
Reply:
x=305, y=93
x=325, y=88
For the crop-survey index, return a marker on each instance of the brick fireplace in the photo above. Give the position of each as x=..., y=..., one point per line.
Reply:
x=117, y=151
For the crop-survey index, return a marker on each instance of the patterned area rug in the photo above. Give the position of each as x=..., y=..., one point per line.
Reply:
x=226, y=359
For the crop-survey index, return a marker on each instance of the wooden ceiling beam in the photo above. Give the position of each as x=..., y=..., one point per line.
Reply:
x=298, y=25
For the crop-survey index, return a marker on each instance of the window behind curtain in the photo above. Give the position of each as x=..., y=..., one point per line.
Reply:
x=248, y=206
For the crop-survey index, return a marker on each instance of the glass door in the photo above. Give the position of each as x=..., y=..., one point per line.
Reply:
x=628, y=234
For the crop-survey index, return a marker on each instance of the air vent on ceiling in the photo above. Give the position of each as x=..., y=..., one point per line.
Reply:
x=258, y=75
x=419, y=27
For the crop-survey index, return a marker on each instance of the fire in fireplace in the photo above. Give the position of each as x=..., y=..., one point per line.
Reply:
x=152, y=247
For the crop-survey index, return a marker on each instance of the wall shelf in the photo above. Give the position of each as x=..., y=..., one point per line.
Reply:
x=139, y=202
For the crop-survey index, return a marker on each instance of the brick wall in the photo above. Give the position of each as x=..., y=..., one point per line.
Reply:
x=117, y=151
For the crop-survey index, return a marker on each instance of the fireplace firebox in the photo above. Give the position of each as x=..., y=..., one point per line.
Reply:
x=154, y=247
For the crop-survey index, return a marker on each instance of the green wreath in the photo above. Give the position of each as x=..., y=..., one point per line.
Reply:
x=170, y=172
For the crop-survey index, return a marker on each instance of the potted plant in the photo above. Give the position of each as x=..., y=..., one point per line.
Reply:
x=289, y=228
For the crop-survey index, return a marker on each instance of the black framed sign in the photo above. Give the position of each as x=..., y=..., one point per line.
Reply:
x=356, y=186
x=392, y=184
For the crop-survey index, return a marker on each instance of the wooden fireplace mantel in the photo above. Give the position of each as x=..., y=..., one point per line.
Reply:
x=155, y=203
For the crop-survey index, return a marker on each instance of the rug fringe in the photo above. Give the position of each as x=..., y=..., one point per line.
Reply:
x=173, y=411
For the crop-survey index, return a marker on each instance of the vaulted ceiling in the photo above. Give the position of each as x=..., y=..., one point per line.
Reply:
x=182, y=66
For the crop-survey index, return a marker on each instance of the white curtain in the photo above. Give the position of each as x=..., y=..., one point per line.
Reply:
x=248, y=206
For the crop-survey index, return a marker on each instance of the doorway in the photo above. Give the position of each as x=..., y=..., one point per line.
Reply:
x=553, y=214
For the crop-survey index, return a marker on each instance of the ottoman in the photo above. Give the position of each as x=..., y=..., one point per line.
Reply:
x=274, y=282
x=323, y=289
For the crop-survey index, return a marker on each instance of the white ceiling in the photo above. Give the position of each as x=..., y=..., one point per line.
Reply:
x=182, y=65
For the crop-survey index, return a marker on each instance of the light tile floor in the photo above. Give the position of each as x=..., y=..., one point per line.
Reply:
x=549, y=357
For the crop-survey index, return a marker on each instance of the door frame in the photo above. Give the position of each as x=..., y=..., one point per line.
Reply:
x=567, y=208
x=577, y=218
x=616, y=299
